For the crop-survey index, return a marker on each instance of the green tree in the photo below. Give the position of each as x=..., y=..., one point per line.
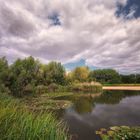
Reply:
x=129, y=79
x=138, y=78
x=109, y=76
x=4, y=73
x=3, y=69
x=80, y=74
x=54, y=73
x=24, y=74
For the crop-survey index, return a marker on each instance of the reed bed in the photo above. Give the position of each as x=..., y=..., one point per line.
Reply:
x=17, y=123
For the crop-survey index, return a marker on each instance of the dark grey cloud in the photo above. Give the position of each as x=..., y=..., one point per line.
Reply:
x=14, y=22
x=88, y=30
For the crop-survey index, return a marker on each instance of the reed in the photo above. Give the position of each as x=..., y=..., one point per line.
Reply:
x=17, y=123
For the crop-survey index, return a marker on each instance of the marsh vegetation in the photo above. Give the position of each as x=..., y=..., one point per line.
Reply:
x=44, y=102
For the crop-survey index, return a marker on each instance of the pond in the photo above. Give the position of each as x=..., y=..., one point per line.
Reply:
x=112, y=108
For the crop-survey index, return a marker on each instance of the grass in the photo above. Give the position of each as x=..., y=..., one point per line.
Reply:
x=92, y=87
x=17, y=123
x=87, y=87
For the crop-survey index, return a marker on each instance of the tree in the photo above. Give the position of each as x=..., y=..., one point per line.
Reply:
x=129, y=79
x=54, y=73
x=109, y=76
x=22, y=74
x=80, y=74
x=4, y=73
x=138, y=78
x=3, y=70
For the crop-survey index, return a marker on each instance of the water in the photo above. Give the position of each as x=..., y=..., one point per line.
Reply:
x=112, y=108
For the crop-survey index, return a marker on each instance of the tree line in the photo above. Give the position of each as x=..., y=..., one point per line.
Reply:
x=28, y=75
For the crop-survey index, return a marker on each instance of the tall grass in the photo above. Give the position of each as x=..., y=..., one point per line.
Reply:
x=87, y=87
x=17, y=123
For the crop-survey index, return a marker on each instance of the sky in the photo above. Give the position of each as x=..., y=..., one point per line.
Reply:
x=95, y=33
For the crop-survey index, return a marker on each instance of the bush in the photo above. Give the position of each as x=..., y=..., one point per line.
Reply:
x=41, y=89
x=29, y=89
x=4, y=89
x=86, y=87
x=52, y=87
x=57, y=88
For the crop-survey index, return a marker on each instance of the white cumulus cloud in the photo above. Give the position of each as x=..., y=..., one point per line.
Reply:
x=89, y=30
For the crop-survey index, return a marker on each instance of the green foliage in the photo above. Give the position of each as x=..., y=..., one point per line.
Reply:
x=4, y=74
x=29, y=76
x=4, y=89
x=24, y=75
x=86, y=87
x=52, y=87
x=137, y=78
x=80, y=74
x=128, y=79
x=120, y=133
x=55, y=73
x=41, y=89
x=105, y=76
x=3, y=69
x=16, y=123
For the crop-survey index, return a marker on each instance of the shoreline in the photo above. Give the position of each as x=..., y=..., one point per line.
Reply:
x=136, y=88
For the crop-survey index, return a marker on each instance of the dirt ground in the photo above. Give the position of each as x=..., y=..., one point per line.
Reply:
x=121, y=88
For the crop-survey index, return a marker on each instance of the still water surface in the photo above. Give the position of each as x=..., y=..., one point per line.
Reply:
x=88, y=114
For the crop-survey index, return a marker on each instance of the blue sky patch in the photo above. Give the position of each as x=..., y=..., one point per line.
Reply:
x=55, y=19
x=125, y=10
x=72, y=65
x=80, y=63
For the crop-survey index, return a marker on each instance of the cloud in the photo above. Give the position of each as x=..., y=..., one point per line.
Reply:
x=87, y=29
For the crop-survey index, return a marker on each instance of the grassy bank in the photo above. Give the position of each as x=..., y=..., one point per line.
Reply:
x=17, y=123
x=74, y=88
x=86, y=87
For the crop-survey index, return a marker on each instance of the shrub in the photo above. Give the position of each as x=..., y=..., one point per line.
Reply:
x=86, y=87
x=41, y=89
x=4, y=89
x=52, y=87
x=29, y=89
